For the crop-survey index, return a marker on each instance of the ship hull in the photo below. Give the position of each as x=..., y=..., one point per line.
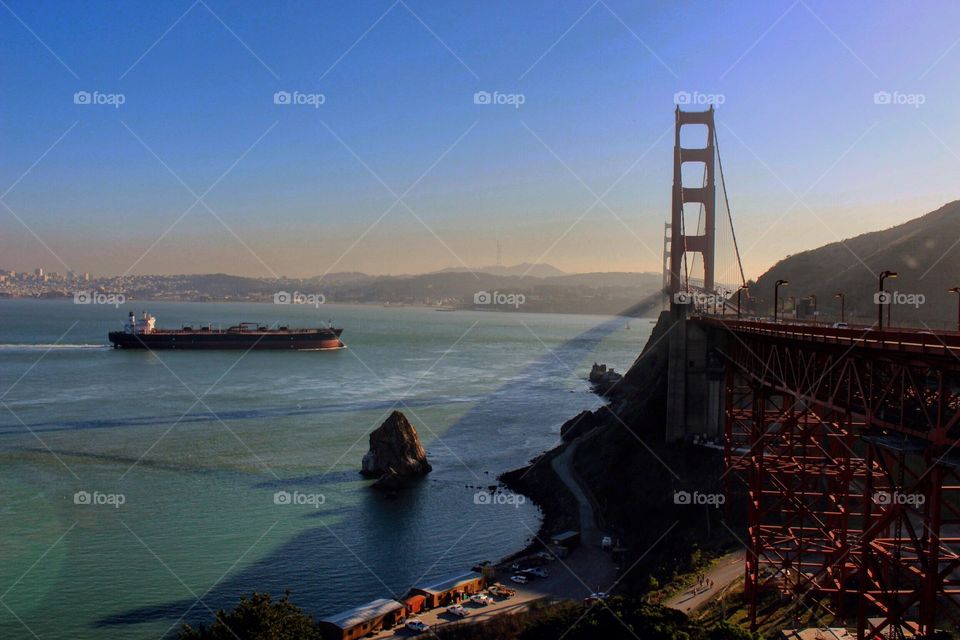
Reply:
x=220, y=340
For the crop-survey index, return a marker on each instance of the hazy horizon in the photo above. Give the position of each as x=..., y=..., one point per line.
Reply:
x=202, y=169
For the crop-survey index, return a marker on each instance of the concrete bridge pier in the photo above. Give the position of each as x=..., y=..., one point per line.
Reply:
x=695, y=379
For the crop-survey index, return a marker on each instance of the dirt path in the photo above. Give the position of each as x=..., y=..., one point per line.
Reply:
x=728, y=569
x=563, y=467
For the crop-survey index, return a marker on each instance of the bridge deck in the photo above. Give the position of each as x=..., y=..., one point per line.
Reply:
x=936, y=343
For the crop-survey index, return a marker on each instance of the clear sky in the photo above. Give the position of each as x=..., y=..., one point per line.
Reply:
x=399, y=171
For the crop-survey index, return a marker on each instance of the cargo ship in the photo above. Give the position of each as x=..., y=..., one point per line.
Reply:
x=142, y=333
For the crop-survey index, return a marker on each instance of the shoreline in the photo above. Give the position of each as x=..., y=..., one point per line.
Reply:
x=646, y=315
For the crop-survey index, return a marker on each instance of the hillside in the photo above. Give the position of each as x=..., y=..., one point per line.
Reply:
x=506, y=290
x=539, y=270
x=924, y=251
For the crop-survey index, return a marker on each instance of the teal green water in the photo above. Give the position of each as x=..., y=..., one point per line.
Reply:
x=198, y=444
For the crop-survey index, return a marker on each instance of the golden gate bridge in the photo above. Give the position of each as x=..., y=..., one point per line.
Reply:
x=842, y=440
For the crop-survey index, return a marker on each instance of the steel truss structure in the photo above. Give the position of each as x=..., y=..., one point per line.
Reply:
x=845, y=441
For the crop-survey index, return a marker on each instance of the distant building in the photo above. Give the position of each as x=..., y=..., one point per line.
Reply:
x=566, y=539
x=450, y=590
x=38, y=272
x=360, y=621
x=86, y=276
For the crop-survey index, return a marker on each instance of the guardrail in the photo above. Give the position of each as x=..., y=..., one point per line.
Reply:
x=908, y=340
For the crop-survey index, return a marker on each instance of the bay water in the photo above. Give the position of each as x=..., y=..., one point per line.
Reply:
x=141, y=490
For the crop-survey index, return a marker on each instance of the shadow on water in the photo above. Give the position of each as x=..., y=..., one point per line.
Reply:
x=225, y=415
x=315, y=558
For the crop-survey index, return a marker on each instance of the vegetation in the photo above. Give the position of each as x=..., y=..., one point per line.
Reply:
x=619, y=618
x=258, y=618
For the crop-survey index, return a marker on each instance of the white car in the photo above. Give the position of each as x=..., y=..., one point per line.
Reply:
x=607, y=543
x=536, y=571
x=520, y=579
x=458, y=611
x=481, y=599
x=417, y=625
x=840, y=325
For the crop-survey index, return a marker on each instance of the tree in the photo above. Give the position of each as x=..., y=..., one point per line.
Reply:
x=258, y=618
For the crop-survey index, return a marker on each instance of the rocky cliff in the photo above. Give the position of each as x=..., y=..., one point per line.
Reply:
x=395, y=453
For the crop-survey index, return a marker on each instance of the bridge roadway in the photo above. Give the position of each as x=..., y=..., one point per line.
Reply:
x=922, y=341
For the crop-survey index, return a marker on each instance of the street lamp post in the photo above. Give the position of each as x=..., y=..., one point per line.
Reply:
x=843, y=304
x=776, y=296
x=956, y=290
x=739, y=291
x=881, y=297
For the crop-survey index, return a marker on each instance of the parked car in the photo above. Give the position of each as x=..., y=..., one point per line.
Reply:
x=458, y=611
x=520, y=579
x=546, y=555
x=417, y=625
x=840, y=325
x=481, y=599
x=536, y=571
x=501, y=591
x=596, y=597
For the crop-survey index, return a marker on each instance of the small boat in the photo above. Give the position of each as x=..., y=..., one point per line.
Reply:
x=444, y=308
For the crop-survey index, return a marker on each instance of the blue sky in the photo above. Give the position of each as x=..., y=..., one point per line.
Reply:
x=297, y=190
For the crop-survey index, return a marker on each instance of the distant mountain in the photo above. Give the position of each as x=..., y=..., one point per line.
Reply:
x=610, y=279
x=540, y=270
x=507, y=290
x=343, y=277
x=924, y=251
x=634, y=294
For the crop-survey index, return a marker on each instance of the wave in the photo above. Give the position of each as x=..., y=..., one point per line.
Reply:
x=49, y=347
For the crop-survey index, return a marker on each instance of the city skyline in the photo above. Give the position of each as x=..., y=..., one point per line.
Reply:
x=409, y=137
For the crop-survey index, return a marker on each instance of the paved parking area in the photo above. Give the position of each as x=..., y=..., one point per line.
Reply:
x=583, y=572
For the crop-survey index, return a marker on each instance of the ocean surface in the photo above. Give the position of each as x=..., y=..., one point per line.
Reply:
x=140, y=490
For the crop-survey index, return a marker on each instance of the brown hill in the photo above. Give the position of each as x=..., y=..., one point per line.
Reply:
x=924, y=251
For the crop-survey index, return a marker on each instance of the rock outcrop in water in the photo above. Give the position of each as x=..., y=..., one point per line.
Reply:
x=395, y=454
